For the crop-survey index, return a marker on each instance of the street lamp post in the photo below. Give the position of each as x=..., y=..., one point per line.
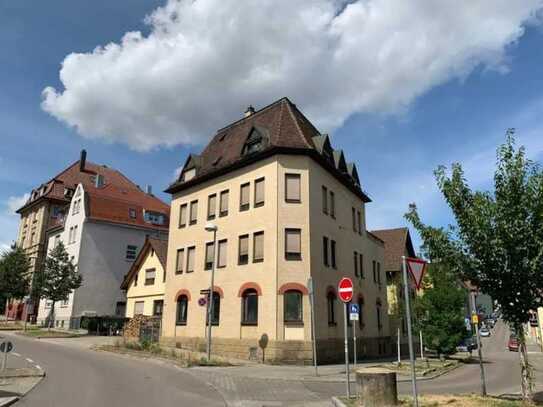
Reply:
x=210, y=227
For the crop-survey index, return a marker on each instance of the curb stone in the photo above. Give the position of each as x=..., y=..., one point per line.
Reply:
x=337, y=402
x=8, y=401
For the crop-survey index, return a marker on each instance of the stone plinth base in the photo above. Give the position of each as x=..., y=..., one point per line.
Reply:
x=376, y=387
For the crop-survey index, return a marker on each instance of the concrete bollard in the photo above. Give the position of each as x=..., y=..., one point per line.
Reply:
x=376, y=387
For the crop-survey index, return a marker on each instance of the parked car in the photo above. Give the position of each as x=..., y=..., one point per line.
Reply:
x=467, y=345
x=513, y=344
x=484, y=331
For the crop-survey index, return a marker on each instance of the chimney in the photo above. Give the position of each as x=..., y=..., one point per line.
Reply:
x=250, y=110
x=82, y=160
x=149, y=190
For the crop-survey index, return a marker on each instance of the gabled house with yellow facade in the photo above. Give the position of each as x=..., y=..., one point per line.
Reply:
x=145, y=282
x=398, y=243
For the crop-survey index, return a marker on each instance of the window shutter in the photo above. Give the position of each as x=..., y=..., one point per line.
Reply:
x=259, y=191
x=209, y=253
x=211, y=205
x=183, y=215
x=244, y=245
x=293, y=241
x=258, y=246
x=193, y=211
x=224, y=201
x=293, y=187
x=244, y=195
x=190, y=259
x=180, y=260
x=222, y=253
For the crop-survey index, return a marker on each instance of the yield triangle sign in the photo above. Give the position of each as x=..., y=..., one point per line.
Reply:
x=416, y=267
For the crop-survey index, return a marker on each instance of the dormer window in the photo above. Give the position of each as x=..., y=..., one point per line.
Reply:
x=189, y=174
x=155, y=218
x=255, y=142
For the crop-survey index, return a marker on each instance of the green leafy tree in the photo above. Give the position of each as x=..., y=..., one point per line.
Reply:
x=440, y=310
x=58, y=279
x=497, y=242
x=15, y=273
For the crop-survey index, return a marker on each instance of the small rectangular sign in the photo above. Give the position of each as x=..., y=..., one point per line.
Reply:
x=353, y=316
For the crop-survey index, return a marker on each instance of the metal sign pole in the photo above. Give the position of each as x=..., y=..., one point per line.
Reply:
x=409, y=334
x=479, y=350
x=354, y=342
x=421, y=346
x=399, y=348
x=346, y=350
x=313, y=336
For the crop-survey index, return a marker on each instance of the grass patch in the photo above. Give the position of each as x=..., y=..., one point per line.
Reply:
x=422, y=367
x=10, y=326
x=455, y=401
x=147, y=349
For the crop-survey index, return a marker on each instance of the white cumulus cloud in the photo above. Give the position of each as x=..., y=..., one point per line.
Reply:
x=15, y=202
x=204, y=61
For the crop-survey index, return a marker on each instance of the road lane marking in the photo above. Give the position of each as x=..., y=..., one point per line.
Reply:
x=29, y=360
x=39, y=367
x=16, y=354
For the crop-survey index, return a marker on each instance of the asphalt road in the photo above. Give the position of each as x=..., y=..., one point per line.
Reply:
x=84, y=378
x=502, y=372
x=79, y=376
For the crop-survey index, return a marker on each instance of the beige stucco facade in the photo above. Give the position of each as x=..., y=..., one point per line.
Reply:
x=275, y=274
x=139, y=291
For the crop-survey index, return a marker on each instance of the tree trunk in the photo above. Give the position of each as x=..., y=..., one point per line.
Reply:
x=526, y=376
x=52, y=316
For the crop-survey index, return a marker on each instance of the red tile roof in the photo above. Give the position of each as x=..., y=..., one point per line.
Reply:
x=161, y=250
x=285, y=130
x=111, y=202
x=397, y=244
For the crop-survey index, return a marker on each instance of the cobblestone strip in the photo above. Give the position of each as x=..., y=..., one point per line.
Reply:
x=250, y=392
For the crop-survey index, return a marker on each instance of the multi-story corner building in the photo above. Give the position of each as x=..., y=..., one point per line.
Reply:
x=103, y=220
x=397, y=244
x=287, y=207
x=45, y=208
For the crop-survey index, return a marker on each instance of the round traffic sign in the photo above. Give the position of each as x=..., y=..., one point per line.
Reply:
x=6, y=347
x=345, y=289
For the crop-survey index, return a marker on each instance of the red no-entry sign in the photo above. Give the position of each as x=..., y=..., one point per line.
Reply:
x=345, y=289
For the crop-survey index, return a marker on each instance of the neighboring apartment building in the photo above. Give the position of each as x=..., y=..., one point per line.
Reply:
x=103, y=228
x=46, y=208
x=146, y=281
x=287, y=207
x=397, y=244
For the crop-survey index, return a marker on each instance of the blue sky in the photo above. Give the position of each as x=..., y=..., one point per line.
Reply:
x=458, y=114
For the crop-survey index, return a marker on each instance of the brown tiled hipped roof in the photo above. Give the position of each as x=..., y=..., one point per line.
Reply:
x=111, y=201
x=284, y=129
x=161, y=250
x=397, y=244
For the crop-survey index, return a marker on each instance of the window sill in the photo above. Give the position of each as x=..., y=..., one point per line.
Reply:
x=258, y=204
x=294, y=323
x=182, y=226
x=293, y=201
x=180, y=324
x=189, y=271
x=221, y=267
x=293, y=257
x=210, y=217
x=146, y=283
x=178, y=272
x=258, y=260
x=243, y=263
x=244, y=208
x=192, y=222
x=223, y=214
x=249, y=323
